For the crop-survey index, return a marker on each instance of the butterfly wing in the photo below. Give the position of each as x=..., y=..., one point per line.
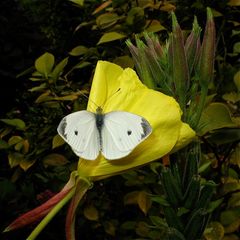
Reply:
x=79, y=130
x=122, y=132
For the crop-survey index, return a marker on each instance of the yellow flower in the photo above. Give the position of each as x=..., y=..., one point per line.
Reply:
x=114, y=88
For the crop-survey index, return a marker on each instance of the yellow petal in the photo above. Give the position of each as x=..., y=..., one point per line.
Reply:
x=114, y=88
x=186, y=135
x=101, y=89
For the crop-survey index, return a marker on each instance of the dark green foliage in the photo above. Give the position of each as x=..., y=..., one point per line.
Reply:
x=172, y=187
x=188, y=198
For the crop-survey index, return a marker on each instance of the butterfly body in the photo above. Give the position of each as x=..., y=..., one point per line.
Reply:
x=99, y=123
x=113, y=134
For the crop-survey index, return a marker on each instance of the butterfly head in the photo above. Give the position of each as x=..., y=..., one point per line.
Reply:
x=99, y=111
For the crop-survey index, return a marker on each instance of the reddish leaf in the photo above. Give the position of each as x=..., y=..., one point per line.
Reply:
x=39, y=212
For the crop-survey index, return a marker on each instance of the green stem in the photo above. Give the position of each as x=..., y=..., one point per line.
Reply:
x=199, y=108
x=50, y=215
x=182, y=103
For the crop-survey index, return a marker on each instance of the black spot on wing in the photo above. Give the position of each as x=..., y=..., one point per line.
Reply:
x=76, y=132
x=62, y=127
x=146, y=128
x=129, y=132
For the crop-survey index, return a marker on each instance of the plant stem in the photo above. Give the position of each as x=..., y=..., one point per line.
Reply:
x=199, y=109
x=50, y=215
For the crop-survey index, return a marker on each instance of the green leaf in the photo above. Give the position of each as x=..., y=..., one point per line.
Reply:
x=174, y=234
x=107, y=19
x=235, y=159
x=224, y=136
x=236, y=47
x=102, y=6
x=36, y=77
x=204, y=166
x=38, y=88
x=44, y=64
x=231, y=237
x=234, y=2
x=54, y=159
x=25, y=164
x=124, y=61
x=232, y=97
x=172, y=219
x=236, y=79
x=144, y=202
x=78, y=51
x=160, y=200
x=82, y=65
x=44, y=97
x=14, y=140
x=18, y=146
x=142, y=229
x=25, y=72
x=234, y=200
x=80, y=3
x=216, y=231
x=168, y=7
x=216, y=13
x=5, y=132
x=155, y=166
x=14, y=159
x=71, y=97
x=51, y=104
x=111, y=36
x=91, y=213
x=139, y=198
x=59, y=68
x=231, y=185
x=232, y=173
x=157, y=221
x=136, y=18
x=110, y=228
x=57, y=141
x=128, y=225
x=15, y=122
x=155, y=26
x=214, y=204
x=215, y=116
x=233, y=227
x=229, y=216
x=3, y=144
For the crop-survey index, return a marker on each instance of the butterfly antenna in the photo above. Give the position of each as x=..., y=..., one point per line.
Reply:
x=87, y=97
x=94, y=103
x=97, y=106
x=111, y=96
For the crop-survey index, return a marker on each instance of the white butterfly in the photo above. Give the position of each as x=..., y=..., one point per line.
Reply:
x=114, y=134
